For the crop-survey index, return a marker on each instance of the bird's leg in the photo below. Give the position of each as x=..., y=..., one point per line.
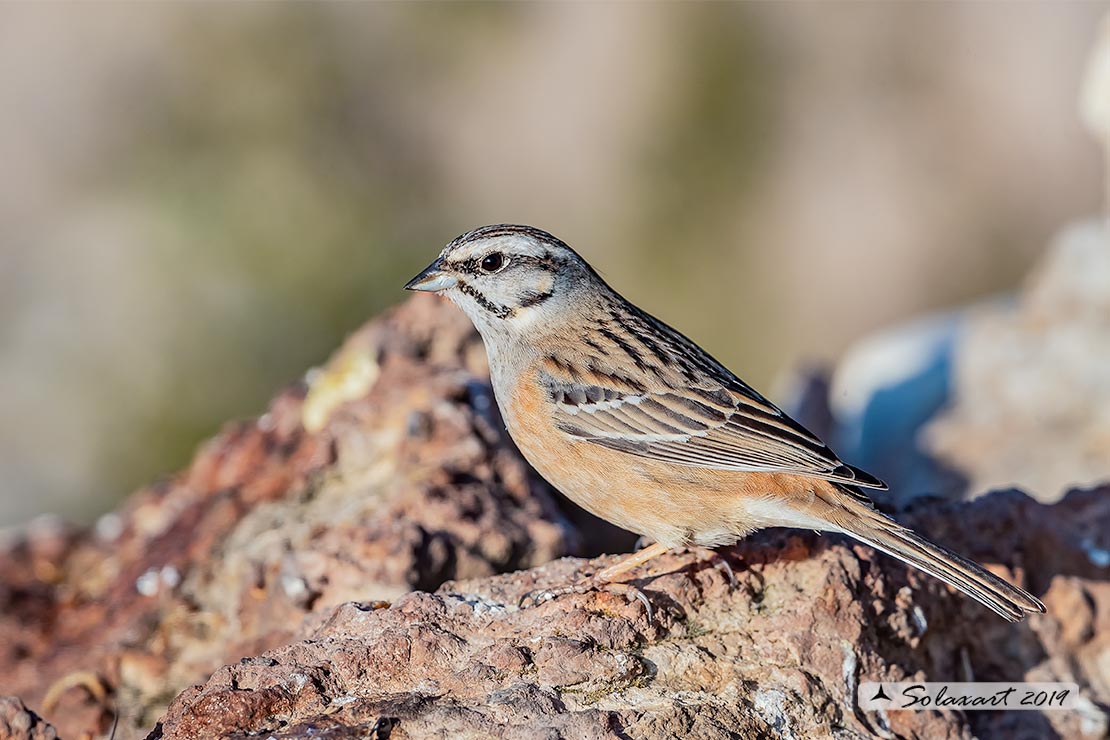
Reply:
x=714, y=558
x=604, y=579
x=607, y=575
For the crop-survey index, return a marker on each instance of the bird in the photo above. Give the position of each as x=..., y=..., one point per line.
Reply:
x=642, y=427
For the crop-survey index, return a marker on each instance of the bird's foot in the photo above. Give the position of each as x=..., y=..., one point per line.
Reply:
x=708, y=556
x=719, y=562
x=630, y=592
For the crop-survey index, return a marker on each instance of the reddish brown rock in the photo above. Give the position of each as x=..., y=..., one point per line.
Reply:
x=287, y=552
x=778, y=655
x=403, y=478
x=17, y=722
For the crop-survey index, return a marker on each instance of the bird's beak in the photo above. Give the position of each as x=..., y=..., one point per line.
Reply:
x=432, y=279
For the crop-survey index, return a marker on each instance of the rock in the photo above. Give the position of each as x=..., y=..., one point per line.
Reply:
x=1030, y=405
x=1009, y=392
x=298, y=550
x=386, y=471
x=885, y=389
x=778, y=655
x=17, y=722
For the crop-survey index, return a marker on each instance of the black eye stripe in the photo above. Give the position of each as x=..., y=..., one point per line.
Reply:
x=532, y=298
x=473, y=266
x=467, y=267
x=546, y=262
x=556, y=254
x=501, y=312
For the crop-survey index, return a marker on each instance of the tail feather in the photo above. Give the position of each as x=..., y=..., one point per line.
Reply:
x=882, y=533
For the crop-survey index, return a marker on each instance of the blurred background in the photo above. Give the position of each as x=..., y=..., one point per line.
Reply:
x=198, y=202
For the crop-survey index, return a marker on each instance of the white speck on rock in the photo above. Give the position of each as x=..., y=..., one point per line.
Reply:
x=266, y=422
x=1093, y=722
x=919, y=619
x=478, y=604
x=294, y=587
x=296, y=682
x=147, y=583
x=170, y=576
x=771, y=706
x=848, y=668
x=109, y=527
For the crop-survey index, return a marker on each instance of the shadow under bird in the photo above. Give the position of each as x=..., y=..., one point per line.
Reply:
x=642, y=427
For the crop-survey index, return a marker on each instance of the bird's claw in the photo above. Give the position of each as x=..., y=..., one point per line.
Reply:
x=630, y=592
x=722, y=565
x=537, y=597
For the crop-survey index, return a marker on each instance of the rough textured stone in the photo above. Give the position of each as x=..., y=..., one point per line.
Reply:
x=1030, y=404
x=778, y=655
x=386, y=471
x=289, y=551
x=17, y=722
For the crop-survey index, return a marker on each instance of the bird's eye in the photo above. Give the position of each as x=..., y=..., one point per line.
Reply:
x=493, y=262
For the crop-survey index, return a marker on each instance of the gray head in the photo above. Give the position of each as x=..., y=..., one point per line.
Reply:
x=509, y=278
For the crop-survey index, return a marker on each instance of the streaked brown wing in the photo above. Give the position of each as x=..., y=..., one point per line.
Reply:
x=722, y=428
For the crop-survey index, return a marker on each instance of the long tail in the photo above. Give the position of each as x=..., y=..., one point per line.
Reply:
x=861, y=520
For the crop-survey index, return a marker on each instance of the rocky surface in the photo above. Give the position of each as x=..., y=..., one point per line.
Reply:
x=1030, y=403
x=17, y=721
x=1005, y=393
x=279, y=587
x=386, y=471
x=777, y=655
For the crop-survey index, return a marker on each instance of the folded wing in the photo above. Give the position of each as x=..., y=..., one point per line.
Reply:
x=723, y=427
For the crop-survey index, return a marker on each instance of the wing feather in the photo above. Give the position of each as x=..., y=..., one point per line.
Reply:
x=726, y=428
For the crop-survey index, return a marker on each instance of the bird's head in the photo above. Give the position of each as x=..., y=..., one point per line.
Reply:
x=508, y=278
